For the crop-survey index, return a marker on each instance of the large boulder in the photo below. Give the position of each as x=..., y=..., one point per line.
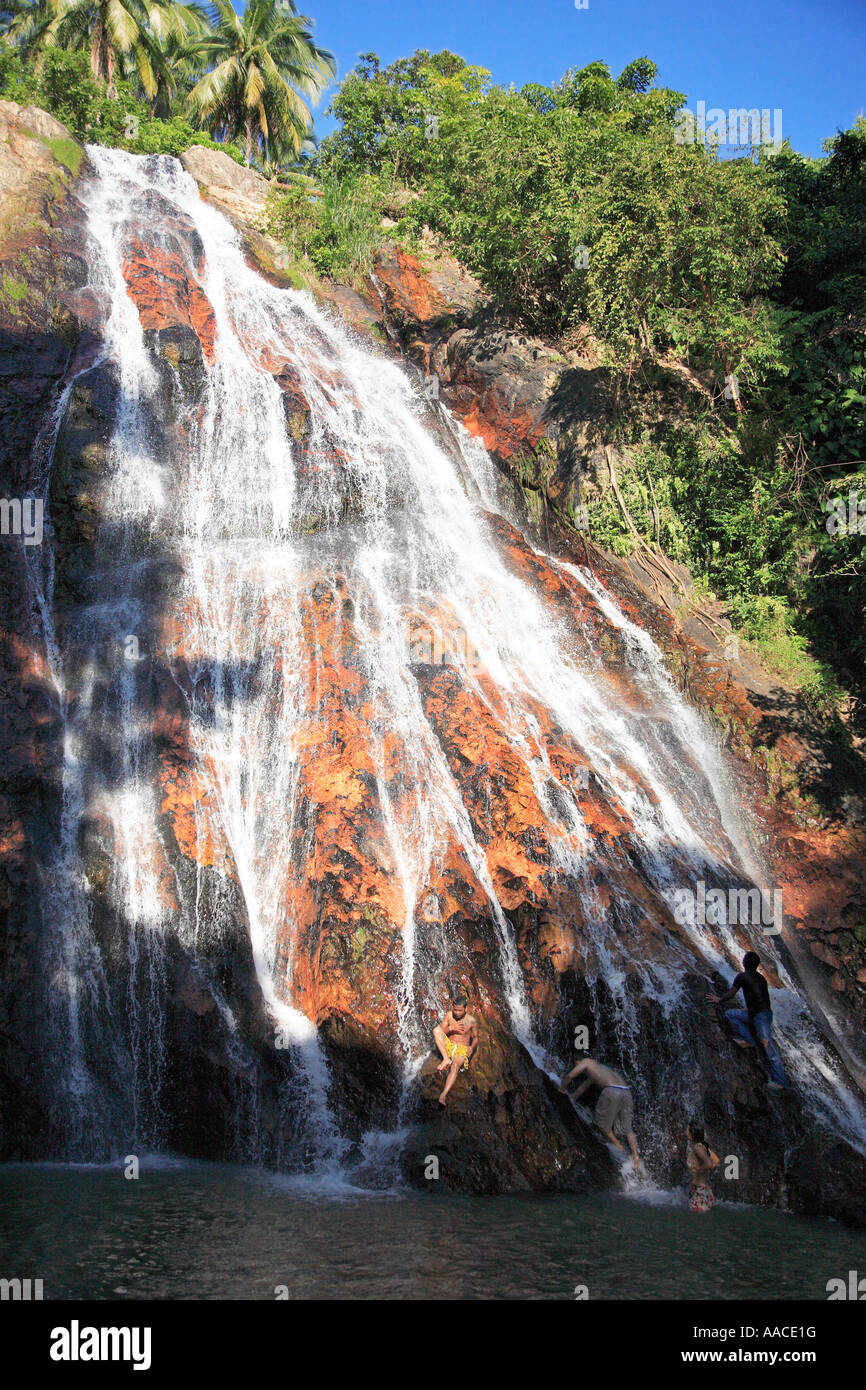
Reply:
x=242, y=195
x=239, y=190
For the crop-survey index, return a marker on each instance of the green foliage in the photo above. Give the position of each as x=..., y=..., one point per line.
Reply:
x=294, y=218
x=171, y=136
x=17, y=79
x=392, y=119
x=817, y=402
x=748, y=266
x=337, y=227
x=12, y=289
x=68, y=153
x=770, y=626
x=679, y=256
x=132, y=73
x=65, y=86
x=517, y=181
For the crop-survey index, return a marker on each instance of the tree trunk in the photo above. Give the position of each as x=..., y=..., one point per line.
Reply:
x=249, y=126
x=723, y=356
x=96, y=48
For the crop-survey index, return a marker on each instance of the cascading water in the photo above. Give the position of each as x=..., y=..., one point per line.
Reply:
x=386, y=521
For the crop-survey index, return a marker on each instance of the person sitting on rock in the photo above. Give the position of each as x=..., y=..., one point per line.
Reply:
x=756, y=1019
x=614, y=1108
x=456, y=1038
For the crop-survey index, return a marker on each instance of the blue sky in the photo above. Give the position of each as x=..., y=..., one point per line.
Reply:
x=807, y=57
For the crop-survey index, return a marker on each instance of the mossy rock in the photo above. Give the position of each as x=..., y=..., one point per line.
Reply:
x=65, y=150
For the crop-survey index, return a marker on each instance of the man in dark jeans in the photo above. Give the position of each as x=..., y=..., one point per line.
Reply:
x=756, y=1019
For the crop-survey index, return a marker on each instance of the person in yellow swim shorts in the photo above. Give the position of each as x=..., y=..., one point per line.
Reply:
x=459, y=1050
x=456, y=1038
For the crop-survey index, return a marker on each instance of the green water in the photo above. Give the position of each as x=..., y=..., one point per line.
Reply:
x=207, y=1231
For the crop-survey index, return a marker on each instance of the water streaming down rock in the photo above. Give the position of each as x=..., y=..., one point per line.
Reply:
x=337, y=739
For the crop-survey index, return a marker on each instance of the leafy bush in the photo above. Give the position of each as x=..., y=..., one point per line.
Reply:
x=17, y=81
x=337, y=226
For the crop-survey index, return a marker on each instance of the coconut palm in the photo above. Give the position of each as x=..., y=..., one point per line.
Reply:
x=179, y=72
x=260, y=66
x=8, y=11
x=125, y=37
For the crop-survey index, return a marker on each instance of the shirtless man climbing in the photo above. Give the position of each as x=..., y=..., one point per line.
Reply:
x=614, y=1107
x=456, y=1038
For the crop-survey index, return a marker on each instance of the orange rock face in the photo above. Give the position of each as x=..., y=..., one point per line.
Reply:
x=503, y=429
x=498, y=399
x=161, y=279
x=407, y=291
x=343, y=904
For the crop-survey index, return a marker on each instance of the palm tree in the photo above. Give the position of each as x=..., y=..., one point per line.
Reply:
x=123, y=36
x=8, y=11
x=179, y=72
x=257, y=66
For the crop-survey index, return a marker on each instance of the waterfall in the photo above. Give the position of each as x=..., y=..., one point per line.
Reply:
x=245, y=560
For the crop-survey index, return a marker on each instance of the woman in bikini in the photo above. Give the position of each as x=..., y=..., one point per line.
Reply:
x=700, y=1161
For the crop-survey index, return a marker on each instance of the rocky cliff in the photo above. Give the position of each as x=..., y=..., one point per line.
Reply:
x=542, y=415
x=170, y=1070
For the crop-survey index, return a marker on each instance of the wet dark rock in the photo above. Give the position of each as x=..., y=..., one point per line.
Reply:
x=504, y=1128
x=367, y=1083
x=81, y=456
x=180, y=347
x=826, y=1178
